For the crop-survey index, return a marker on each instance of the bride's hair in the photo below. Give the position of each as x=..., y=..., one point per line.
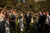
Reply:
x=0, y=10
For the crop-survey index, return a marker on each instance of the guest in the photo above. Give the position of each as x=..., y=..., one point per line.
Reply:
x=37, y=18
x=28, y=20
x=7, y=26
x=47, y=21
x=49, y=18
x=2, y=18
x=12, y=20
x=41, y=22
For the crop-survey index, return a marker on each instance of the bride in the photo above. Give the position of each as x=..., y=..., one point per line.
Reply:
x=21, y=21
x=2, y=18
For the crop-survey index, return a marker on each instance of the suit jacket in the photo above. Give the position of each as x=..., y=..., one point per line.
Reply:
x=41, y=20
x=28, y=19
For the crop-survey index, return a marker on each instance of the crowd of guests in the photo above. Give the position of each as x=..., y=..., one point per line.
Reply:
x=8, y=19
x=42, y=24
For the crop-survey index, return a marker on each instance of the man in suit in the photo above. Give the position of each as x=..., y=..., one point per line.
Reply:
x=41, y=22
x=47, y=21
x=12, y=20
x=28, y=20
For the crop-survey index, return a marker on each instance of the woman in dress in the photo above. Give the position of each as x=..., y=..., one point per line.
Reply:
x=21, y=22
x=2, y=18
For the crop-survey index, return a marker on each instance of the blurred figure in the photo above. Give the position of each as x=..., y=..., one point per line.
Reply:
x=12, y=19
x=10, y=22
x=2, y=18
x=7, y=26
x=37, y=18
x=21, y=21
x=47, y=21
x=41, y=22
x=28, y=20
x=49, y=18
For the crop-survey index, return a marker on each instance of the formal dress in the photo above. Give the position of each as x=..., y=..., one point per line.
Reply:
x=21, y=23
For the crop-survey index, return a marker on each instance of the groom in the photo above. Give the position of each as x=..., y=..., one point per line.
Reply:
x=28, y=20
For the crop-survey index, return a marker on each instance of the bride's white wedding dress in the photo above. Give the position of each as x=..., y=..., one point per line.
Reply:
x=21, y=23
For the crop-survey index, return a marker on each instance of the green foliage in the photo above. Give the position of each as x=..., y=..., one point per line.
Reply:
x=2, y=3
x=29, y=5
